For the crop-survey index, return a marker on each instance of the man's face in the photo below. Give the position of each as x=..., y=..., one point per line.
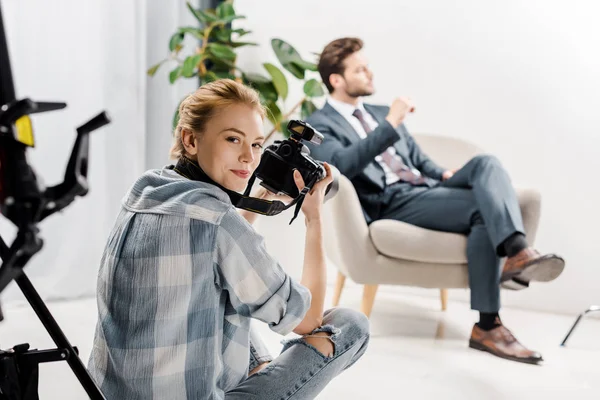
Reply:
x=357, y=79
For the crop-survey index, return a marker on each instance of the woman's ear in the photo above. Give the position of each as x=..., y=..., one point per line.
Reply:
x=189, y=141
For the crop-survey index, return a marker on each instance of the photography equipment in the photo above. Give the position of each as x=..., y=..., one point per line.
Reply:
x=280, y=159
x=275, y=171
x=25, y=203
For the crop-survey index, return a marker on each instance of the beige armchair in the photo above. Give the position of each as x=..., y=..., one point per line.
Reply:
x=397, y=253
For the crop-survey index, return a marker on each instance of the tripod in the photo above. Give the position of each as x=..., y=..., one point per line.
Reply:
x=25, y=204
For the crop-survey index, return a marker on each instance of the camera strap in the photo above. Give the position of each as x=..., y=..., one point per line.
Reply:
x=191, y=170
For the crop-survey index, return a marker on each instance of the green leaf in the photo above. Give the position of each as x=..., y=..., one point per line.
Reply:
x=204, y=17
x=221, y=51
x=287, y=55
x=240, y=44
x=306, y=65
x=283, y=128
x=196, y=32
x=176, y=118
x=230, y=18
x=313, y=88
x=256, y=78
x=307, y=108
x=190, y=64
x=266, y=90
x=210, y=77
x=224, y=75
x=176, y=73
x=278, y=78
x=225, y=9
x=221, y=34
x=175, y=40
x=273, y=112
x=241, y=32
x=152, y=70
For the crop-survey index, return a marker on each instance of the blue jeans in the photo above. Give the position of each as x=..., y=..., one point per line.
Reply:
x=301, y=371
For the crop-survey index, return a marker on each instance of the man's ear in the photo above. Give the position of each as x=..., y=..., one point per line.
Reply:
x=189, y=142
x=336, y=80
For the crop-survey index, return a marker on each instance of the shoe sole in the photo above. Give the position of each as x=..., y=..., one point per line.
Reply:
x=478, y=346
x=515, y=284
x=544, y=270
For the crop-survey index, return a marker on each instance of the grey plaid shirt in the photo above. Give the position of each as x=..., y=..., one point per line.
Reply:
x=180, y=279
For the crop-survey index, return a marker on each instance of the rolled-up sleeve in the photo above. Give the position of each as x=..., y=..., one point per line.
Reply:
x=257, y=285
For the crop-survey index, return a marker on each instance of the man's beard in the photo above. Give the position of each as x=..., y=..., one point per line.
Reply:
x=359, y=92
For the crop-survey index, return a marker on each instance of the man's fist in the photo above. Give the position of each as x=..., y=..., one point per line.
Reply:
x=398, y=110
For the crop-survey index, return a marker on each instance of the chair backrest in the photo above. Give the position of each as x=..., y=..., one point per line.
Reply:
x=347, y=239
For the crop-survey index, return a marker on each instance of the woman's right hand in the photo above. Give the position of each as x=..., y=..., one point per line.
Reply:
x=311, y=207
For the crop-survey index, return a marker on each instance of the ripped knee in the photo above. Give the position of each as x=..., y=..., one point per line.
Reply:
x=322, y=342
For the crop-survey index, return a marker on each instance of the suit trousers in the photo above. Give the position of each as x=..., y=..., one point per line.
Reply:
x=478, y=201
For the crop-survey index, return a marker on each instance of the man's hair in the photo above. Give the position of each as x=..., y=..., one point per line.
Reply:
x=199, y=107
x=333, y=56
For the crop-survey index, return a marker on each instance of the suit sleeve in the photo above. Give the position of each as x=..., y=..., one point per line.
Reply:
x=420, y=160
x=352, y=159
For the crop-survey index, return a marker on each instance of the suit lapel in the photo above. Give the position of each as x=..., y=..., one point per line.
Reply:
x=347, y=129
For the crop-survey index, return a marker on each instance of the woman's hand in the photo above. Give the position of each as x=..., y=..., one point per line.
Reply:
x=311, y=207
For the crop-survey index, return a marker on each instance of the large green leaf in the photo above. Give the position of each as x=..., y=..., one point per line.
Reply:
x=196, y=32
x=307, y=108
x=175, y=40
x=190, y=64
x=306, y=65
x=313, y=88
x=176, y=73
x=278, y=79
x=221, y=51
x=152, y=70
x=287, y=55
x=230, y=18
x=266, y=91
x=256, y=78
x=225, y=9
x=273, y=112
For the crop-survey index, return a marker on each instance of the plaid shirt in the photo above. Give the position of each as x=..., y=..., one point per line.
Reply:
x=180, y=279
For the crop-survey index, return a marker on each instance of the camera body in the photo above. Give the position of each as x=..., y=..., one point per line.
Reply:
x=279, y=160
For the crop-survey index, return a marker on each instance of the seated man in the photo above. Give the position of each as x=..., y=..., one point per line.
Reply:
x=394, y=180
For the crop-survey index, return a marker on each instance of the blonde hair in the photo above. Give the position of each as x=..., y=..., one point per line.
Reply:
x=199, y=107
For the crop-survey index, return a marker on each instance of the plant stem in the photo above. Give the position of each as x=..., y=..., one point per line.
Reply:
x=277, y=126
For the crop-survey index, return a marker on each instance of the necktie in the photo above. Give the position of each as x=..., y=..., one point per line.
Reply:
x=395, y=163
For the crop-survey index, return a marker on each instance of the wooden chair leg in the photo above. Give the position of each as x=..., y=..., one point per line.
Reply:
x=368, y=299
x=339, y=286
x=444, y=298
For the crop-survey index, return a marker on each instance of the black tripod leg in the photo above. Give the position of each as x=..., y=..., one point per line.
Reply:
x=59, y=337
x=589, y=310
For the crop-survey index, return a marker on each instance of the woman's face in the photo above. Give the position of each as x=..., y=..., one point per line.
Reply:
x=230, y=147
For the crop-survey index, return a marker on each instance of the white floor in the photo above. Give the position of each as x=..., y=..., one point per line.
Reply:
x=416, y=352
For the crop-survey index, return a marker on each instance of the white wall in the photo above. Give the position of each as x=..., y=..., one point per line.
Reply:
x=518, y=78
x=86, y=54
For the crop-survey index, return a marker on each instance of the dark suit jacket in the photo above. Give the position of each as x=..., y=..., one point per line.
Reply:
x=355, y=157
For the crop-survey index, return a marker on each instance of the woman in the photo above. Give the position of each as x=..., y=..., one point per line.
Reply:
x=183, y=273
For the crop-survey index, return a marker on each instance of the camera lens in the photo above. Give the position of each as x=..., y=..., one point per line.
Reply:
x=285, y=150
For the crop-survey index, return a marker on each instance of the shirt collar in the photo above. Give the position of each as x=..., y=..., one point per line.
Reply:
x=344, y=108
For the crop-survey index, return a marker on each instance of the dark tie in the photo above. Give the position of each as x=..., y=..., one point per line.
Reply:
x=395, y=163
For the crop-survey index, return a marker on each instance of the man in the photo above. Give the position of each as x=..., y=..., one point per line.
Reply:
x=394, y=179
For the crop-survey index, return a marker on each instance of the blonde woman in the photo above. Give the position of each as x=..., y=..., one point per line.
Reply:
x=184, y=272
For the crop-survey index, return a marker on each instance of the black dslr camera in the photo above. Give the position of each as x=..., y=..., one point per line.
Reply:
x=279, y=160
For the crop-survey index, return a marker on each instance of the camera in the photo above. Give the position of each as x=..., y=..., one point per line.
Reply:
x=279, y=160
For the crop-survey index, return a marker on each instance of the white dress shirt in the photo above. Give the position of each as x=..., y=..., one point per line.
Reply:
x=346, y=111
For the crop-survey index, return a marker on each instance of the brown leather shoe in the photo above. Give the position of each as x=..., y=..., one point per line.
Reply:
x=500, y=342
x=529, y=265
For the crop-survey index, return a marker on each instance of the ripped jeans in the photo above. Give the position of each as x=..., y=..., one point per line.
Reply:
x=301, y=371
